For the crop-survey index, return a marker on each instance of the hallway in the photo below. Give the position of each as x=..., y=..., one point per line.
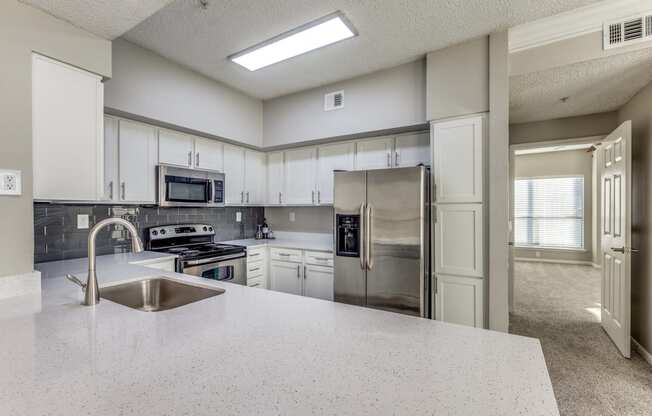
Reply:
x=560, y=305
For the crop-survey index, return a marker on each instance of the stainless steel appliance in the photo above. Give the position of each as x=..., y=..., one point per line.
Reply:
x=178, y=187
x=382, y=237
x=198, y=254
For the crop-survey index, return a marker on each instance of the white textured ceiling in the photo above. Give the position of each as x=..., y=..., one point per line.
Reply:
x=593, y=86
x=106, y=18
x=391, y=32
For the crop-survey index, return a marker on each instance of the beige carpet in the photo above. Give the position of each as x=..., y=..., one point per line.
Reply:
x=560, y=305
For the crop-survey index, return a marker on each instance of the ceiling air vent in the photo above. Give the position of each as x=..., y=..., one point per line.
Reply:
x=334, y=101
x=628, y=31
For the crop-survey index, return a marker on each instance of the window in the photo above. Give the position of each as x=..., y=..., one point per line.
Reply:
x=549, y=212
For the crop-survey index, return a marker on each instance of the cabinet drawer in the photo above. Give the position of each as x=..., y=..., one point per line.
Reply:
x=256, y=282
x=286, y=254
x=319, y=258
x=256, y=254
x=255, y=269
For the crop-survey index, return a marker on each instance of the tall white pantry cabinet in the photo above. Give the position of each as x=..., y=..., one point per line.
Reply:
x=458, y=220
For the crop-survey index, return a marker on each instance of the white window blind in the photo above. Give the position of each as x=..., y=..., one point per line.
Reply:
x=549, y=212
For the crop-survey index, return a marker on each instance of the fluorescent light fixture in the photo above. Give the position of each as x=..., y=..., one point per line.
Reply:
x=316, y=34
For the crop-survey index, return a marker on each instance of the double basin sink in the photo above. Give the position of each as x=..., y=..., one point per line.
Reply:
x=157, y=294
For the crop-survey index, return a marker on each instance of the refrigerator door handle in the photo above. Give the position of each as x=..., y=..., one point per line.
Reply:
x=370, y=260
x=363, y=264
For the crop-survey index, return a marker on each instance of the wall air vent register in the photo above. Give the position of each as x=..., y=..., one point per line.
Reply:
x=624, y=32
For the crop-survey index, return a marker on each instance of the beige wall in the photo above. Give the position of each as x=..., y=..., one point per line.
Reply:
x=599, y=124
x=307, y=219
x=458, y=80
x=386, y=99
x=148, y=85
x=24, y=29
x=573, y=162
x=639, y=111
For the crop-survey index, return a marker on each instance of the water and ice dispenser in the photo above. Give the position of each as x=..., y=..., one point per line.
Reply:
x=348, y=235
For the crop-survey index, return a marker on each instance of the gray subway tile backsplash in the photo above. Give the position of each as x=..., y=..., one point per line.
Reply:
x=56, y=236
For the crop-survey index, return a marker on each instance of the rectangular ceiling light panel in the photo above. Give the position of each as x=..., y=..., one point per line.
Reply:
x=325, y=31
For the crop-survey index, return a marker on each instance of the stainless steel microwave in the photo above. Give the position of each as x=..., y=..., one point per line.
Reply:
x=180, y=187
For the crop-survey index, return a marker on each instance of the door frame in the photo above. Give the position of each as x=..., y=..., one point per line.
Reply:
x=513, y=148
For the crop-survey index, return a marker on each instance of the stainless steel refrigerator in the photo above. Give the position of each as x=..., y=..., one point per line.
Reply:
x=382, y=237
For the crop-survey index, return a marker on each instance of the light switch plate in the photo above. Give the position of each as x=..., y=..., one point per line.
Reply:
x=293, y=217
x=82, y=221
x=238, y=216
x=10, y=182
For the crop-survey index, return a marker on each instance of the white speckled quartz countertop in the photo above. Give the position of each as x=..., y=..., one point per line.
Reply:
x=251, y=351
x=299, y=241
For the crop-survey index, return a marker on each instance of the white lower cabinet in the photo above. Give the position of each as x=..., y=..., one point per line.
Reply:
x=460, y=300
x=285, y=277
x=257, y=267
x=318, y=282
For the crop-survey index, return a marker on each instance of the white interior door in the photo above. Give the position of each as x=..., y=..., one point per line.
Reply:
x=616, y=247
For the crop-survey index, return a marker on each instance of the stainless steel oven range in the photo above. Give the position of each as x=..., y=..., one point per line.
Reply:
x=197, y=253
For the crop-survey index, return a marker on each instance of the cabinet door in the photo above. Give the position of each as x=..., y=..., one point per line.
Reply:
x=457, y=160
x=67, y=132
x=254, y=177
x=209, y=154
x=318, y=282
x=300, y=176
x=374, y=153
x=459, y=300
x=412, y=149
x=175, y=148
x=275, y=178
x=458, y=240
x=285, y=277
x=234, y=174
x=137, y=162
x=111, y=178
x=340, y=156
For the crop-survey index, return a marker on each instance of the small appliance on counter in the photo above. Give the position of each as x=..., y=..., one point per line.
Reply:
x=197, y=253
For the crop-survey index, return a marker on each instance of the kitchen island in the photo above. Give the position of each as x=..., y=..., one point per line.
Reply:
x=251, y=351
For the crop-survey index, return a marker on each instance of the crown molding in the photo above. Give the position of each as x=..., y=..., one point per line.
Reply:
x=577, y=22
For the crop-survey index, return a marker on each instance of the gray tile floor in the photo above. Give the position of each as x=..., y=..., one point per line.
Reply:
x=560, y=305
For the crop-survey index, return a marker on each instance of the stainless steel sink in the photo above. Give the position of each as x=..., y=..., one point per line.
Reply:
x=157, y=294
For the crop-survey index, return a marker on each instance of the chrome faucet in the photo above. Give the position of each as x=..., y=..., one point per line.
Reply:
x=90, y=288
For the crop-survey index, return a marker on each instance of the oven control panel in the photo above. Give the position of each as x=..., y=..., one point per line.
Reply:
x=180, y=230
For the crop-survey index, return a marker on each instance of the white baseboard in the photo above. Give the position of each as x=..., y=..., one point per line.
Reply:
x=644, y=353
x=19, y=285
x=538, y=260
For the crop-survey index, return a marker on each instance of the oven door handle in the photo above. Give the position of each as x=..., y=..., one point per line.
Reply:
x=213, y=259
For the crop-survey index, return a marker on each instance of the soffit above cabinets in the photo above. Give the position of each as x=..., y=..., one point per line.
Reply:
x=107, y=19
x=391, y=32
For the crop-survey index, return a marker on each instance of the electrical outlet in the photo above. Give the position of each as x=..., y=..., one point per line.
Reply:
x=238, y=216
x=82, y=221
x=10, y=182
x=293, y=217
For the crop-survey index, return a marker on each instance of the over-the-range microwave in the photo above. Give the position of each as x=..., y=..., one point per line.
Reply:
x=180, y=187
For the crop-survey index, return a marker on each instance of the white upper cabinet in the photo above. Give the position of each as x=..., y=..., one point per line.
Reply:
x=137, y=162
x=374, y=153
x=111, y=178
x=175, y=149
x=275, y=178
x=67, y=132
x=457, y=161
x=209, y=154
x=254, y=177
x=300, y=176
x=234, y=174
x=339, y=156
x=412, y=149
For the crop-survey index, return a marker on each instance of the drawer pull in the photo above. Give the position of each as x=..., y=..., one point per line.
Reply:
x=253, y=270
x=255, y=285
x=254, y=254
x=322, y=258
x=284, y=254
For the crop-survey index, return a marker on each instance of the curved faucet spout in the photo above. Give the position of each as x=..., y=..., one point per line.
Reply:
x=92, y=290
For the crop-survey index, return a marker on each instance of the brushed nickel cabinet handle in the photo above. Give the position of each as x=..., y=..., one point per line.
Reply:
x=389, y=162
x=111, y=190
x=123, y=186
x=304, y=272
x=396, y=158
x=298, y=271
x=255, y=269
x=247, y=197
x=313, y=197
x=189, y=159
x=319, y=197
x=242, y=197
x=197, y=159
x=284, y=254
x=255, y=285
